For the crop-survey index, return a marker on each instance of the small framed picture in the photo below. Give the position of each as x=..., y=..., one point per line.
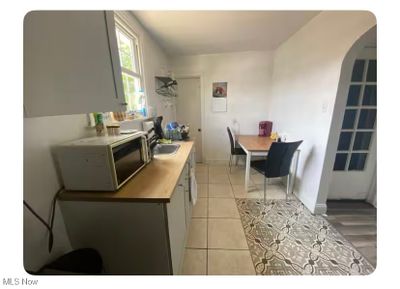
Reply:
x=220, y=89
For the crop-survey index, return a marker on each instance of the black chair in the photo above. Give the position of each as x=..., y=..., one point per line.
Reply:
x=235, y=149
x=278, y=162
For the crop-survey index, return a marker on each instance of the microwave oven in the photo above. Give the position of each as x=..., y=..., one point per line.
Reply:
x=102, y=163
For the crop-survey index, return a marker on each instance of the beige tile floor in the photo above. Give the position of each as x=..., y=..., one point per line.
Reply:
x=216, y=243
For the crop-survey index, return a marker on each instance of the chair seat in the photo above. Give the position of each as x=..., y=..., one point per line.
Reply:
x=258, y=165
x=238, y=151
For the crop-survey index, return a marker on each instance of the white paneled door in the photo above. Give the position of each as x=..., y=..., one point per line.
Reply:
x=188, y=110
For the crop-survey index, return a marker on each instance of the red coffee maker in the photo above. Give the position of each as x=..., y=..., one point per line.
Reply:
x=265, y=128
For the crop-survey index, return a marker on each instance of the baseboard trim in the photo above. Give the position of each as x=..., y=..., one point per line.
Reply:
x=217, y=162
x=316, y=209
x=241, y=161
x=320, y=209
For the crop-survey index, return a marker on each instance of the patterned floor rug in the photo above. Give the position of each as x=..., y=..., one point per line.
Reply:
x=286, y=239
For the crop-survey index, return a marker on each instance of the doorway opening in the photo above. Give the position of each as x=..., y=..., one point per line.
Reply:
x=349, y=178
x=189, y=110
x=349, y=171
x=355, y=160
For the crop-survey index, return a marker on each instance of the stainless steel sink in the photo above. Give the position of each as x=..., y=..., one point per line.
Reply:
x=166, y=149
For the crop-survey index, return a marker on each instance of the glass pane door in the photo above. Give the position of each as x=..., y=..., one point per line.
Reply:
x=359, y=121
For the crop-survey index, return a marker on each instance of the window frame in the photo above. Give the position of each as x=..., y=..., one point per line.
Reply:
x=122, y=25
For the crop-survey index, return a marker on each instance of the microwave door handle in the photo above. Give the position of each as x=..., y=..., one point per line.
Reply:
x=145, y=150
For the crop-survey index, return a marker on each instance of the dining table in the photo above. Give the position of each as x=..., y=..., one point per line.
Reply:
x=258, y=146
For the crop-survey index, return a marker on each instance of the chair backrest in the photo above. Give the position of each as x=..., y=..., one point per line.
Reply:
x=231, y=140
x=279, y=158
x=158, y=130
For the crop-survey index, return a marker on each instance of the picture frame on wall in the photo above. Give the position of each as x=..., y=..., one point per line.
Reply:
x=220, y=89
x=220, y=94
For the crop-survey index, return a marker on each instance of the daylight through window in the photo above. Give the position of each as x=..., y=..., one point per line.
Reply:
x=132, y=78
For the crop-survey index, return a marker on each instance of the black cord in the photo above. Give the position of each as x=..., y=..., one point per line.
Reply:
x=53, y=210
x=36, y=215
x=49, y=227
x=54, y=206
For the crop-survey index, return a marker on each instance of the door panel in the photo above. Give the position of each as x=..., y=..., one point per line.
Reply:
x=188, y=110
x=177, y=228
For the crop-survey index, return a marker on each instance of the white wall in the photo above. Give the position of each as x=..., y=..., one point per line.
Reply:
x=249, y=80
x=41, y=182
x=305, y=82
x=40, y=178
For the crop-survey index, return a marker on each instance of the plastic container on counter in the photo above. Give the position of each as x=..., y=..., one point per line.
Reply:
x=113, y=129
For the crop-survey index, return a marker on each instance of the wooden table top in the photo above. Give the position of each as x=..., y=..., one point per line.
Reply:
x=255, y=143
x=154, y=183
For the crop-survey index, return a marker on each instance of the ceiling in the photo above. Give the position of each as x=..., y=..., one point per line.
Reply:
x=207, y=32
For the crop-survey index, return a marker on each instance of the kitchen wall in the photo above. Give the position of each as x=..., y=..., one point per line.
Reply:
x=249, y=80
x=41, y=182
x=304, y=86
x=40, y=177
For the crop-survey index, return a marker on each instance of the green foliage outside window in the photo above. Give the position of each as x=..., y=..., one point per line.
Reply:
x=131, y=79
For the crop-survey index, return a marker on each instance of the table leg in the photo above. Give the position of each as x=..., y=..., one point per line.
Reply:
x=247, y=173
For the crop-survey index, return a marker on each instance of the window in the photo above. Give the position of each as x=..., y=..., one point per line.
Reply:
x=132, y=75
x=359, y=121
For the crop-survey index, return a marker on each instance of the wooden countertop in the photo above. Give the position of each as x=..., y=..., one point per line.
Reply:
x=154, y=183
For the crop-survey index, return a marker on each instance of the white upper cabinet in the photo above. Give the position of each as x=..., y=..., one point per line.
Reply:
x=71, y=63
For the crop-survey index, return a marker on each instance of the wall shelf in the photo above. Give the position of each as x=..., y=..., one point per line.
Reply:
x=168, y=81
x=164, y=79
x=168, y=87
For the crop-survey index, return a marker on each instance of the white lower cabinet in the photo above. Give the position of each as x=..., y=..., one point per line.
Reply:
x=177, y=228
x=133, y=237
x=179, y=212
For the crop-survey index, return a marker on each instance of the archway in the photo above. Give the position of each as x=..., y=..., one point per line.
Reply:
x=337, y=143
